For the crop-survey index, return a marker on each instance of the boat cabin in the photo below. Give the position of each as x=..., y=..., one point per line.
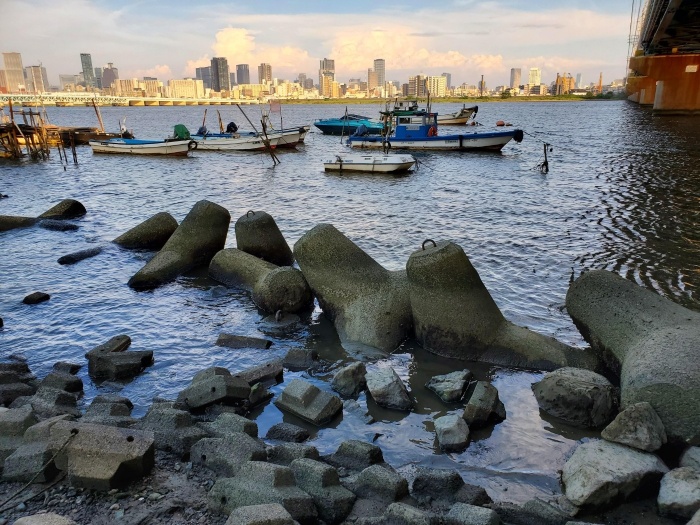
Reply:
x=416, y=125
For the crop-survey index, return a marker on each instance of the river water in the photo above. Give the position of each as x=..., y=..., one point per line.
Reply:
x=622, y=194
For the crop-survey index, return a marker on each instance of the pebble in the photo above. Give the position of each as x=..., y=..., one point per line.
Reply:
x=114, y=507
x=177, y=467
x=113, y=491
x=119, y=514
x=21, y=507
x=154, y=496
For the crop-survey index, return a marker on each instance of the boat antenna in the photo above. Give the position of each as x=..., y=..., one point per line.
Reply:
x=266, y=141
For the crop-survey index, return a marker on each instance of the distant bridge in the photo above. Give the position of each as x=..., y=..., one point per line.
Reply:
x=87, y=99
x=665, y=67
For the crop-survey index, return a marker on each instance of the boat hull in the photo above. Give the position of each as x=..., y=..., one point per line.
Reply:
x=246, y=143
x=464, y=142
x=370, y=163
x=143, y=147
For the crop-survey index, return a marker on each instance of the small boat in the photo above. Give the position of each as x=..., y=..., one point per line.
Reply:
x=174, y=147
x=370, y=163
x=233, y=142
x=348, y=124
x=423, y=135
x=411, y=114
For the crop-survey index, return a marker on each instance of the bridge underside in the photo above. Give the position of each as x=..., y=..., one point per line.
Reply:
x=668, y=83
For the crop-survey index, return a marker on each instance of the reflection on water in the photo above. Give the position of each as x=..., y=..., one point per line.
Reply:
x=622, y=193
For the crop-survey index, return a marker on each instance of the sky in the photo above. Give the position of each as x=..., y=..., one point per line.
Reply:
x=466, y=38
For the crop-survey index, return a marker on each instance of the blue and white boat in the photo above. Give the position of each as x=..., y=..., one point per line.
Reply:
x=348, y=124
x=418, y=130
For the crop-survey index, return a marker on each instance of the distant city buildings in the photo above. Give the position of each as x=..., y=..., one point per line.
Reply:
x=36, y=80
x=578, y=81
x=14, y=73
x=515, y=77
x=535, y=76
x=220, y=77
x=416, y=86
x=326, y=68
x=380, y=70
x=88, y=71
x=264, y=73
x=110, y=75
x=448, y=76
x=243, y=74
x=204, y=74
x=98, y=77
x=436, y=86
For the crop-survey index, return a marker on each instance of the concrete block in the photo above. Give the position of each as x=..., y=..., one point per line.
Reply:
x=308, y=402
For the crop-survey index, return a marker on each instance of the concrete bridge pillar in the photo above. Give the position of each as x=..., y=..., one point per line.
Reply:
x=670, y=83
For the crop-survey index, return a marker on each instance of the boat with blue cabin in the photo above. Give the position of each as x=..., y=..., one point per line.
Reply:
x=348, y=124
x=418, y=130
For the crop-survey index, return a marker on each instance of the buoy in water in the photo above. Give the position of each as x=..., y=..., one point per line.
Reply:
x=500, y=123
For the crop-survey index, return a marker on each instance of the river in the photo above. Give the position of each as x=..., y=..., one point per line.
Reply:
x=622, y=194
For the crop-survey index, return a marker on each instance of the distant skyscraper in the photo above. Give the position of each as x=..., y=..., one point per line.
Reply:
x=233, y=78
x=243, y=73
x=220, y=78
x=88, y=71
x=535, y=78
x=36, y=79
x=98, y=77
x=436, y=86
x=448, y=76
x=515, y=76
x=372, y=79
x=578, y=80
x=14, y=72
x=326, y=67
x=204, y=74
x=110, y=75
x=301, y=79
x=379, y=69
x=264, y=73
x=416, y=86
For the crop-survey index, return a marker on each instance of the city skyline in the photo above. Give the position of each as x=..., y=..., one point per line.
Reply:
x=465, y=37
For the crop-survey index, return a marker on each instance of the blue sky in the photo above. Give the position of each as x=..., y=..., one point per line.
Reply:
x=467, y=38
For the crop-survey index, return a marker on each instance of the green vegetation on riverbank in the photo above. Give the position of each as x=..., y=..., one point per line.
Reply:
x=461, y=100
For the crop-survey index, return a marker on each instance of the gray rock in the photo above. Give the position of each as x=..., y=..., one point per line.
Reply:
x=380, y=482
x=66, y=367
x=36, y=298
x=56, y=225
x=194, y=243
x=225, y=456
x=49, y=402
x=355, y=455
x=11, y=391
x=30, y=462
x=695, y=520
x=241, y=341
x=259, y=394
x=600, y=473
x=110, y=410
x=691, y=458
x=66, y=209
x=298, y=359
x=450, y=387
x=483, y=406
x=264, y=514
x=464, y=514
x=580, y=397
x=63, y=381
x=350, y=380
x=214, y=385
x=112, y=361
x=308, y=402
x=387, y=389
x=455, y=316
x=50, y=518
x=367, y=304
x=151, y=234
x=679, y=495
x=286, y=453
x=174, y=430
x=445, y=487
x=76, y=257
x=452, y=432
x=322, y=483
x=650, y=339
x=10, y=222
x=287, y=432
x=270, y=371
x=257, y=233
x=228, y=423
x=637, y=426
x=408, y=515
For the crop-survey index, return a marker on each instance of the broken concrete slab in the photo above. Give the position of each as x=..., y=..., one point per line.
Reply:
x=174, y=430
x=112, y=361
x=333, y=501
x=308, y=402
x=226, y=455
x=242, y=341
x=214, y=385
x=484, y=406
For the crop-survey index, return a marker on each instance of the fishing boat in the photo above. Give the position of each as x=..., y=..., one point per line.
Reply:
x=457, y=118
x=233, y=142
x=422, y=134
x=348, y=124
x=174, y=147
x=370, y=163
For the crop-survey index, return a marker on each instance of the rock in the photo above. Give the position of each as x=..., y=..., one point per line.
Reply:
x=691, y=458
x=110, y=410
x=350, y=380
x=63, y=381
x=367, y=304
x=264, y=514
x=452, y=432
x=456, y=317
x=286, y=453
x=11, y=391
x=387, y=389
x=66, y=367
x=322, y=483
x=355, y=455
x=280, y=323
x=450, y=387
x=101, y=457
x=695, y=520
x=298, y=359
x=151, y=234
x=194, y=243
x=637, y=426
x=241, y=341
x=9, y=222
x=600, y=473
x=650, y=339
x=483, y=406
x=66, y=209
x=50, y=518
x=446, y=487
x=287, y=432
x=274, y=288
x=580, y=397
x=49, y=402
x=226, y=424
x=76, y=257
x=111, y=360
x=225, y=456
x=308, y=402
x=464, y=514
x=214, y=385
x=36, y=298
x=57, y=226
x=257, y=233
x=259, y=394
x=679, y=495
x=408, y=515
x=13, y=423
x=258, y=483
x=380, y=482
x=270, y=371
x=174, y=430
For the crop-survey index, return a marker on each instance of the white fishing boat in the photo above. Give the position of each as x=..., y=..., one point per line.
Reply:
x=234, y=142
x=143, y=147
x=370, y=163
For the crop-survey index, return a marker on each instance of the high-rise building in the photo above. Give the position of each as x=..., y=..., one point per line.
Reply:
x=535, y=77
x=204, y=74
x=578, y=80
x=515, y=77
x=3, y=81
x=416, y=86
x=264, y=73
x=67, y=81
x=88, y=71
x=326, y=67
x=436, y=86
x=326, y=86
x=372, y=79
x=36, y=79
x=448, y=76
x=98, y=77
x=220, y=77
x=379, y=69
x=233, y=79
x=301, y=79
x=14, y=72
x=243, y=73
x=110, y=75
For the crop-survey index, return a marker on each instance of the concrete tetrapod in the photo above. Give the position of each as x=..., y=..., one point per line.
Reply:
x=274, y=288
x=651, y=340
x=367, y=303
x=194, y=243
x=66, y=209
x=151, y=234
x=257, y=234
x=455, y=316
